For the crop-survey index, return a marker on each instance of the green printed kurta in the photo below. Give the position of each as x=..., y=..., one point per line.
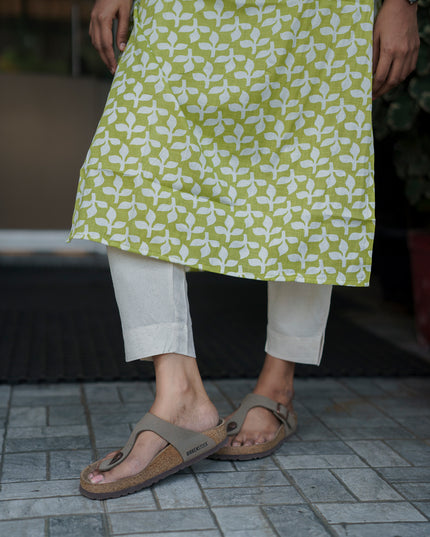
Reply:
x=237, y=139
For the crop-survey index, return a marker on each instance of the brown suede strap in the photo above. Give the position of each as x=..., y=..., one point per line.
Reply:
x=188, y=443
x=235, y=422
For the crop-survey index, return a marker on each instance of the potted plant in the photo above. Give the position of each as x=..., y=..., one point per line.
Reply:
x=402, y=117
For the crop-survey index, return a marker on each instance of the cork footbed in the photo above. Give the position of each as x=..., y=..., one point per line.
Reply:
x=168, y=461
x=256, y=451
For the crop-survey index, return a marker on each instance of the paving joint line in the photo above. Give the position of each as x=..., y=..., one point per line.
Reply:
x=6, y=428
x=319, y=516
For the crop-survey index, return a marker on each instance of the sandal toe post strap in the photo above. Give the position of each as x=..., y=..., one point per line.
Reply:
x=235, y=422
x=188, y=443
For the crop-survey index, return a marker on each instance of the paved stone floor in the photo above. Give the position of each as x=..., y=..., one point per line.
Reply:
x=359, y=465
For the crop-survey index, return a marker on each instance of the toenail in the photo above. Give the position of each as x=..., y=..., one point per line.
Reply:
x=97, y=479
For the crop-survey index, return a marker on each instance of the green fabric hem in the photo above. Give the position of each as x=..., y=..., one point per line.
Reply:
x=107, y=241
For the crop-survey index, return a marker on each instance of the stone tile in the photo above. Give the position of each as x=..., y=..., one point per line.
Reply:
x=39, y=489
x=358, y=408
x=302, y=411
x=19, y=528
x=66, y=505
x=232, y=519
x=26, y=416
x=323, y=386
x=261, y=532
x=295, y=521
x=46, y=394
x=372, y=433
x=424, y=507
x=315, y=448
x=3, y=416
x=102, y=392
x=66, y=415
x=137, y=392
x=403, y=406
x=44, y=444
x=107, y=436
x=225, y=408
x=419, y=426
x=210, y=465
x=253, y=496
x=395, y=386
x=377, y=453
x=320, y=486
x=24, y=467
x=46, y=432
x=242, y=479
x=324, y=407
x=401, y=529
x=362, y=386
x=179, y=491
x=366, y=484
x=267, y=463
x=414, y=451
x=315, y=461
x=162, y=521
x=68, y=463
x=405, y=475
x=42, y=390
x=82, y=525
x=414, y=491
x=205, y=533
x=46, y=400
x=354, y=513
x=235, y=389
x=118, y=414
x=213, y=390
x=313, y=429
x=141, y=501
x=5, y=392
x=345, y=420
x=419, y=385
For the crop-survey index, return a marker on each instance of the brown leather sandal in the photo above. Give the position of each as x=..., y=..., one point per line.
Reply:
x=287, y=427
x=185, y=448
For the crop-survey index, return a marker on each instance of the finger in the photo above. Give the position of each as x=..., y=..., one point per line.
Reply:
x=381, y=74
x=122, y=32
x=97, y=42
x=376, y=51
x=394, y=76
x=107, y=46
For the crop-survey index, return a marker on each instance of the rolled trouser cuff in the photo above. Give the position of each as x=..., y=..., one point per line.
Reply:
x=298, y=349
x=145, y=342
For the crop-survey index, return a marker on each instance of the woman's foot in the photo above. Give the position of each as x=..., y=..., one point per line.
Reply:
x=276, y=382
x=180, y=399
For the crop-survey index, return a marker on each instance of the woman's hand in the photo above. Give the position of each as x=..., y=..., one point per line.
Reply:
x=102, y=15
x=395, y=45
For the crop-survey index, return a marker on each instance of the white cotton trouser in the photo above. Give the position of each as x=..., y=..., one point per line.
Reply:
x=152, y=298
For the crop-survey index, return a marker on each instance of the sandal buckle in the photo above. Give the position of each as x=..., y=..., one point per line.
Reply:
x=279, y=413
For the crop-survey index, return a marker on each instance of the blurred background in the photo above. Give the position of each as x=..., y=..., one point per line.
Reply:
x=56, y=299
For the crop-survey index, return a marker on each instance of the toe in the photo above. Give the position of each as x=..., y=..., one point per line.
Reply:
x=96, y=478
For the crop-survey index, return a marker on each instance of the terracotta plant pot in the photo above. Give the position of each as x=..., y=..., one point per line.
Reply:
x=419, y=247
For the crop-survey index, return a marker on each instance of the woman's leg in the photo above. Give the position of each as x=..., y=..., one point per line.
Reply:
x=153, y=304
x=297, y=317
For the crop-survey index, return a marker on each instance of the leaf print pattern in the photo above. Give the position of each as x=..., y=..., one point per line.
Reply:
x=237, y=138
